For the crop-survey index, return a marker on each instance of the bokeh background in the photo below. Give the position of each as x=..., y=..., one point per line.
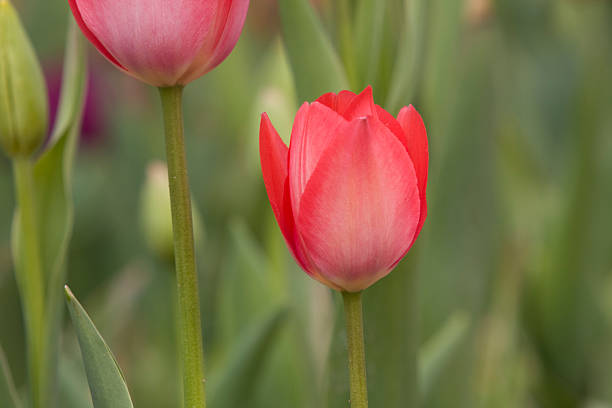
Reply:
x=507, y=295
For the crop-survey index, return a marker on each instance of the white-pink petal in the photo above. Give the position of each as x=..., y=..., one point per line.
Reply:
x=313, y=130
x=360, y=208
x=155, y=40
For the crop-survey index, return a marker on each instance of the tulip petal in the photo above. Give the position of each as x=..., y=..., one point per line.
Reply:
x=156, y=40
x=91, y=36
x=361, y=105
x=313, y=130
x=360, y=209
x=338, y=103
x=212, y=53
x=392, y=124
x=417, y=146
x=273, y=154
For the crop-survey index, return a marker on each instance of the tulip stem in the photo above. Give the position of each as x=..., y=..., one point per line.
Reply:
x=192, y=355
x=356, y=352
x=31, y=280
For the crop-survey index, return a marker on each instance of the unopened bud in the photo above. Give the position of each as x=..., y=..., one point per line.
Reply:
x=156, y=216
x=23, y=98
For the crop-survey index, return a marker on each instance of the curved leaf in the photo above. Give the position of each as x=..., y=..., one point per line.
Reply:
x=369, y=35
x=239, y=375
x=73, y=85
x=8, y=393
x=437, y=352
x=315, y=64
x=51, y=183
x=106, y=382
x=409, y=63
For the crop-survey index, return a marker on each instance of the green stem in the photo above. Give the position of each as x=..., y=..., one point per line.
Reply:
x=30, y=278
x=354, y=334
x=192, y=356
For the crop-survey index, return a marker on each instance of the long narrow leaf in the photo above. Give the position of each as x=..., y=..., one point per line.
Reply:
x=53, y=185
x=391, y=341
x=368, y=38
x=410, y=59
x=52, y=172
x=233, y=385
x=8, y=394
x=390, y=315
x=315, y=64
x=436, y=353
x=106, y=382
x=73, y=389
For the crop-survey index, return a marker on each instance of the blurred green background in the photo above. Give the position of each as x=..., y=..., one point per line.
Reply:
x=507, y=293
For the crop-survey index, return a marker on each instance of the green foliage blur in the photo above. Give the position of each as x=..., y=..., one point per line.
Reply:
x=510, y=282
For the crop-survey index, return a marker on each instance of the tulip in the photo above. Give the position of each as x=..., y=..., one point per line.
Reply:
x=156, y=217
x=163, y=43
x=23, y=97
x=349, y=192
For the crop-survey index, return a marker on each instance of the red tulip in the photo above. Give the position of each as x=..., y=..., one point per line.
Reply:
x=349, y=193
x=162, y=42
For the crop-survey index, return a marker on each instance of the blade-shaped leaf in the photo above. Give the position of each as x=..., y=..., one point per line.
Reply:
x=369, y=32
x=8, y=393
x=315, y=64
x=51, y=183
x=436, y=353
x=53, y=169
x=390, y=329
x=232, y=386
x=73, y=389
x=106, y=382
x=73, y=85
x=390, y=315
x=409, y=62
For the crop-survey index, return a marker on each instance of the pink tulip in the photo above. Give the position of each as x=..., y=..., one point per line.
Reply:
x=349, y=193
x=162, y=42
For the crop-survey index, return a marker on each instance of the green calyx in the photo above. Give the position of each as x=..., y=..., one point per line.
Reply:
x=23, y=99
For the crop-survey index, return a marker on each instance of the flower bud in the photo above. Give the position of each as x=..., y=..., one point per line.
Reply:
x=156, y=216
x=23, y=98
x=349, y=192
x=161, y=42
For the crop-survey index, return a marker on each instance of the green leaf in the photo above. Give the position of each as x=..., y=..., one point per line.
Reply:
x=438, y=351
x=106, y=382
x=390, y=315
x=73, y=389
x=409, y=63
x=368, y=36
x=390, y=329
x=73, y=85
x=233, y=385
x=252, y=287
x=8, y=393
x=315, y=64
x=51, y=186
x=53, y=170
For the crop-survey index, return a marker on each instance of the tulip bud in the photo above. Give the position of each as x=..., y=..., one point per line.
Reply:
x=23, y=98
x=156, y=216
x=349, y=192
x=163, y=43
